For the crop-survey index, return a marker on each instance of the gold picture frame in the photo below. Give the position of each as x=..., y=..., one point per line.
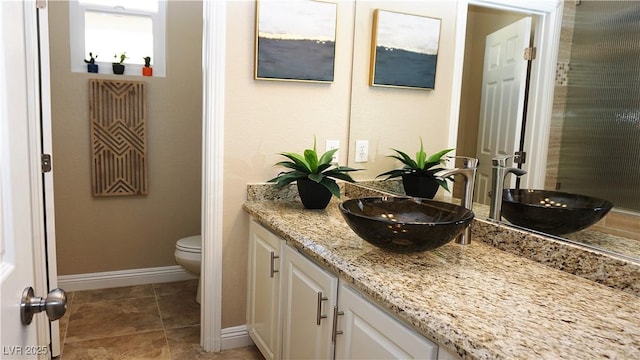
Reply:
x=404, y=50
x=295, y=40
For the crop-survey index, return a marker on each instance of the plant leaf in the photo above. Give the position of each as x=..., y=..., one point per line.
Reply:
x=298, y=159
x=444, y=184
x=433, y=171
x=312, y=159
x=429, y=165
x=326, y=157
x=291, y=165
x=340, y=173
x=393, y=173
x=421, y=156
x=323, y=167
x=286, y=178
x=332, y=186
x=405, y=159
x=437, y=157
x=346, y=169
x=317, y=177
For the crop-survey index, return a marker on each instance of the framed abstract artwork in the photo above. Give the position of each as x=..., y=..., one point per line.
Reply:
x=295, y=40
x=404, y=51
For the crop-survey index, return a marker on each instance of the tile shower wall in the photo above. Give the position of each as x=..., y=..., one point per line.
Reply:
x=596, y=118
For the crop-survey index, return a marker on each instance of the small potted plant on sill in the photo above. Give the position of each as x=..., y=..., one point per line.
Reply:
x=147, y=70
x=118, y=66
x=92, y=67
x=417, y=174
x=314, y=177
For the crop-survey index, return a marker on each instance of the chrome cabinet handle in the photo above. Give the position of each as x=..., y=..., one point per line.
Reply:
x=335, y=332
x=273, y=265
x=319, y=315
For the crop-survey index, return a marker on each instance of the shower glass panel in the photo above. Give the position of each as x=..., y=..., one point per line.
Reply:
x=600, y=149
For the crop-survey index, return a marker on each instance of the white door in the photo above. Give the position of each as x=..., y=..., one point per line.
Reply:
x=502, y=104
x=310, y=295
x=22, y=250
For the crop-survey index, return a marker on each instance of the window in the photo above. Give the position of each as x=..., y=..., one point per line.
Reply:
x=111, y=27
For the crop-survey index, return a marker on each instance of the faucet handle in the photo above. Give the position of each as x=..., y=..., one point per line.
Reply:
x=468, y=163
x=518, y=158
x=501, y=161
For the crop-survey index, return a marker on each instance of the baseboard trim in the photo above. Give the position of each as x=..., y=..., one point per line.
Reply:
x=110, y=279
x=235, y=337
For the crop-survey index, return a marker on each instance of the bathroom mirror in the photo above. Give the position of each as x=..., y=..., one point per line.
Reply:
x=400, y=127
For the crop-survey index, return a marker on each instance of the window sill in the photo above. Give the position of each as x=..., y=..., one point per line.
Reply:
x=130, y=70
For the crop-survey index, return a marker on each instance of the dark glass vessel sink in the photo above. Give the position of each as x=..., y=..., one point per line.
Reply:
x=552, y=212
x=402, y=224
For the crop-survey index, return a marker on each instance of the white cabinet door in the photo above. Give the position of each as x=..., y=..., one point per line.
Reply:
x=309, y=296
x=370, y=333
x=444, y=354
x=292, y=303
x=263, y=303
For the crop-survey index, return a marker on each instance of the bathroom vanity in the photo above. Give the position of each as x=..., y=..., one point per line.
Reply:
x=315, y=286
x=297, y=309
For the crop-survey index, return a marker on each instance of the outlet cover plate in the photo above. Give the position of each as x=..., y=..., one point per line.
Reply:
x=362, y=151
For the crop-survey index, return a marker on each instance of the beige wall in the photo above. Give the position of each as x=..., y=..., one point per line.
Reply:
x=264, y=118
x=118, y=233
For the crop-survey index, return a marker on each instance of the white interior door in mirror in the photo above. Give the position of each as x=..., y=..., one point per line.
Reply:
x=503, y=96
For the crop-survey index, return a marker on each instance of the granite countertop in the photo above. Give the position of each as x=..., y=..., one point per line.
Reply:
x=476, y=300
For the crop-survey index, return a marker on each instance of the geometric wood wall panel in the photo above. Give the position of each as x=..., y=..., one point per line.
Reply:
x=118, y=114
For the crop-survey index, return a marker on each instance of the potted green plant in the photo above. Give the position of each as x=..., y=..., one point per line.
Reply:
x=314, y=177
x=147, y=70
x=118, y=65
x=92, y=67
x=417, y=174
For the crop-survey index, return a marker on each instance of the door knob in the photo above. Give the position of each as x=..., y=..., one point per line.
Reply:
x=55, y=305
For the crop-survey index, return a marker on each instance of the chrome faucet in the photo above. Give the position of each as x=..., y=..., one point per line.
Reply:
x=500, y=172
x=468, y=170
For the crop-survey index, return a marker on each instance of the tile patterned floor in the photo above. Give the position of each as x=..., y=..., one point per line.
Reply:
x=158, y=321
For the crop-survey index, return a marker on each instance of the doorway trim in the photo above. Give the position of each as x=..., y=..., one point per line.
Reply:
x=548, y=15
x=214, y=26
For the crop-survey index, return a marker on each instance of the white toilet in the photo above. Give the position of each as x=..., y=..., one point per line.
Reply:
x=188, y=254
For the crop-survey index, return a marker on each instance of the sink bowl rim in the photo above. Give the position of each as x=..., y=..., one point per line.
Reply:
x=469, y=215
x=604, y=204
